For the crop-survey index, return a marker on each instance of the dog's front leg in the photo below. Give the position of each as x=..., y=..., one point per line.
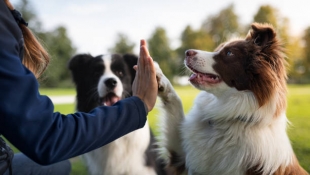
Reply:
x=172, y=116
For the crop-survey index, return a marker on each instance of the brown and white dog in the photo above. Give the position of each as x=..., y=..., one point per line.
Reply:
x=237, y=125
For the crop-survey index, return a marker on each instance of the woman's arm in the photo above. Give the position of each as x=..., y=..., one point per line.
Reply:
x=28, y=121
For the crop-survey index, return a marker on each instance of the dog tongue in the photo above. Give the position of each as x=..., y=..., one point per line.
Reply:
x=111, y=100
x=192, y=77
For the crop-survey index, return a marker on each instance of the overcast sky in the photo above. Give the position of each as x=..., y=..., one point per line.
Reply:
x=93, y=24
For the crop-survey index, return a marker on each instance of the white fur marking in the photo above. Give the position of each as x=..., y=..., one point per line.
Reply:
x=102, y=90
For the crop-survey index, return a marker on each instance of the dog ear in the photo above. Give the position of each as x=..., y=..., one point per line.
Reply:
x=76, y=65
x=131, y=60
x=78, y=60
x=261, y=34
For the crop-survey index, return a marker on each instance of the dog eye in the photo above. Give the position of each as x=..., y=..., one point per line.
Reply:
x=120, y=74
x=229, y=53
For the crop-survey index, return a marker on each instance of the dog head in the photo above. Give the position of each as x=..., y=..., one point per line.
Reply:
x=102, y=80
x=256, y=64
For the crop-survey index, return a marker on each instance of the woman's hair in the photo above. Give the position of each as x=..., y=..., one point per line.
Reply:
x=35, y=57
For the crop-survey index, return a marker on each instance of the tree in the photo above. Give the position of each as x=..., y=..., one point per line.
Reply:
x=160, y=50
x=29, y=14
x=271, y=15
x=57, y=43
x=306, y=61
x=295, y=58
x=267, y=14
x=222, y=26
x=61, y=50
x=122, y=45
x=191, y=39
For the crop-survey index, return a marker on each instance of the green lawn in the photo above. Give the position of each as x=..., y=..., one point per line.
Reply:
x=298, y=113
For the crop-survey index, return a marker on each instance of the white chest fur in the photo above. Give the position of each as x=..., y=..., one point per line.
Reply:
x=122, y=156
x=223, y=147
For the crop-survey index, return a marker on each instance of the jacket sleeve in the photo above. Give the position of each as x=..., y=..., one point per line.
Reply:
x=28, y=120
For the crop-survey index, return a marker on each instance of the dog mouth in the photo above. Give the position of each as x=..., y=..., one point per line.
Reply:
x=201, y=78
x=109, y=99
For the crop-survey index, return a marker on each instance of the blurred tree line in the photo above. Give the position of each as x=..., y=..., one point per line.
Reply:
x=214, y=29
x=58, y=45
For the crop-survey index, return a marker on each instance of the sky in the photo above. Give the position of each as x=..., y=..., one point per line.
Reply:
x=93, y=25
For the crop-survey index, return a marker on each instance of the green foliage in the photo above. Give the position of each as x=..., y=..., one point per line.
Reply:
x=61, y=50
x=306, y=62
x=267, y=14
x=160, y=50
x=215, y=29
x=295, y=57
x=271, y=15
x=297, y=66
x=191, y=39
x=56, y=42
x=29, y=14
x=122, y=45
x=223, y=25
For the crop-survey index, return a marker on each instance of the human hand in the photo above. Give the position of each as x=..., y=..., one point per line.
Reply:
x=145, y=84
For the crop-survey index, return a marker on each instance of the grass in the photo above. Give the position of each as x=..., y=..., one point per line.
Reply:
x=52, y=92
x=298, y=113
x=187, y=95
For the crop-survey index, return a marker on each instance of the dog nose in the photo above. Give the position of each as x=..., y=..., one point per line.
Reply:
x=110, y=83
x=190, y=53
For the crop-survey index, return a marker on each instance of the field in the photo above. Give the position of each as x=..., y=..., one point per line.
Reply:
x=298, y=113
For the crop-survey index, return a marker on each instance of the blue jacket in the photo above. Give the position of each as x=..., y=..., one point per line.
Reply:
x=28, y=120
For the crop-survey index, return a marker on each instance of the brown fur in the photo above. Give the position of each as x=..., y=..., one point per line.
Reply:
x=292, y=169
x=266, y=75
x=176, y=165
x=258, y=64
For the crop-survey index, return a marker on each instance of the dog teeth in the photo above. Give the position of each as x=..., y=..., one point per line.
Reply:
x=215, y=78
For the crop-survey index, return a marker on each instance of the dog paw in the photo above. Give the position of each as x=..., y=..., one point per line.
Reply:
x=163, y=82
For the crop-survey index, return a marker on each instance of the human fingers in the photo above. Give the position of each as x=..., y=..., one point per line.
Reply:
x=144, y=53
x=151, y=66
x=143, y=46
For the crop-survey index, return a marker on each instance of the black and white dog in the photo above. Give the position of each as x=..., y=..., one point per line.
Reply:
x=103, y=80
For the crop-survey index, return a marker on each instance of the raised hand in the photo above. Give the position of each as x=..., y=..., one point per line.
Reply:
x=145, y=84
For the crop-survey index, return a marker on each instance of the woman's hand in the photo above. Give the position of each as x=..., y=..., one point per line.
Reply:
x=145, y=84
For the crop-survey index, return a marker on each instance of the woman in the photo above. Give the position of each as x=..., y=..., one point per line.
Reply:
x=27, y=119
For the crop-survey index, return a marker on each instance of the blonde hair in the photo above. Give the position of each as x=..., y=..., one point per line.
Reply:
x=35, y=57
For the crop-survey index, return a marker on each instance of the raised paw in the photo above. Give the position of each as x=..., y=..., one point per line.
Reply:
x=163, y=82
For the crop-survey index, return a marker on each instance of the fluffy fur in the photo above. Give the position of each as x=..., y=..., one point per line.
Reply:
x=103, y=80
x=237, y=125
